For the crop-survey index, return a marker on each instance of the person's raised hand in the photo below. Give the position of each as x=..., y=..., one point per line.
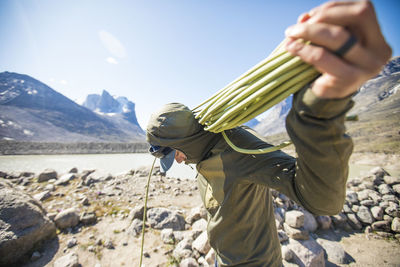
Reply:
x=352, y=31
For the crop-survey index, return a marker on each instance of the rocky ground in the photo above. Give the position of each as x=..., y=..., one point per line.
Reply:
x=98, y=221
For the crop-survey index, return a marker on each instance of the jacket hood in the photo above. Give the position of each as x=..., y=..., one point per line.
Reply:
x=175, y=126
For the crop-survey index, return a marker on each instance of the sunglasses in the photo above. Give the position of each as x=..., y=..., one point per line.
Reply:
x=159, y=151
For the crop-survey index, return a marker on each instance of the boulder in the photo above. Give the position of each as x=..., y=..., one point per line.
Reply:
x=189, y=262
x=396, y=225
x=160, y=218
x=167, y=236
x=334, y=251
x=310, y=223
x=365, y=215
x=23, y=224
x=64, y=179
x=324, y=222
x=136, y=227
x=390, y=180
x=296, y=233
x=201, y=243
x=136, y=212
x=88, y=218
x=294, y=218
x=307, y=253
x=46, y=175
x=67, y=218
x=200, y=225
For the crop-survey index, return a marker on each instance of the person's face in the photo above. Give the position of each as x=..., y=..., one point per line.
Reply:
x=180, y=156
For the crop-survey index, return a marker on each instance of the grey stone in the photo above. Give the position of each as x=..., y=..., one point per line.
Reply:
x=160, y=218
x=367, y=203
x=210, y=257
x=167, y=236
x=390, y=198
x=196, y=214
x=42, y=196
x=109, y=244
x=377, y=213
x=396, y=225
x=387, y=218
x=347, y=209
x=353, y=221
x=381, y=226
x=65, y=179
x=365, y=215
x=384, y=189
x=375, y=196
x=136, y=227
x=339, y=220
x=379, y=172
x=310, y=223
x=67, y=218
x=364, y=194
x=46, y=175
x=296, y=233
x=294, y=218
x=396, y=188
x=324, y=222
x=183, y=249
x=88, y=218
x=355, y=208
x=201, y=243
x=390, y=180
x=352, y=197
x=384, y=204
x=200, y=225
x=189, y=262
x=393, y=211
x=136, y=213
x=69, y=260
x=23, y=223
x=282, y=236
x=72, y=242
x=334, y=251
x=307, y=253
x=287, y=253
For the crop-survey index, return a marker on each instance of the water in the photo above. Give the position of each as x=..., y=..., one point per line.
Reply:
x=115, y=164
x=106, y=163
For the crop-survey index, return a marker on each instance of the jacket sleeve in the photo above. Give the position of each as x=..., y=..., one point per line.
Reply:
x=316, y=127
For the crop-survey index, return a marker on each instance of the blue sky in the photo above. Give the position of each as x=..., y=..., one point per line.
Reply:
x=152, y=52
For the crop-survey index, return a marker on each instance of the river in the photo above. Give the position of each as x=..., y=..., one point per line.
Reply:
x=111, y=163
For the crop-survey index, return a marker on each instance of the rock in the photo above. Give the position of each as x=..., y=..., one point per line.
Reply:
x=365, y=215
x=381, y=226
x=364, y=194
x=85, y=201
x=195, y=214
x=287, y=253
x=72, y=242
x=167, y=236
x=210, y=257
x=109, y=244
x=200, y=225
x=355, y=208
x=73, y=170
x=390, y=198
x=88, y=218
x=69, y=260
x=307, y=253
x=353, y=221
x=324, y=222
x=367, y=203
x=64, y=180
x=296, y=233
x=339, y=220
x=160, y=218
x=396, y=225
x=379, y=172
x=377, y=213
x=49, y=187
x=384, y=189
x=390, y=180
x=347, y=209
x=42, y=196
x=352, y=197
x=201, y=243
x=183, y=249
x=23, y=224
x=282, y=236
x=136, y=212
x=46, y=175
x=396, y=188
x=310, y=223
x=136, y=227
x=294, y=218
x=66, y=218
x=392, y=211
x=334, y=251
x=189, y=262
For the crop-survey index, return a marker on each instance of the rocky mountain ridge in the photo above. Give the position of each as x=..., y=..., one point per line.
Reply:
x=374, y=94
x=32, y=111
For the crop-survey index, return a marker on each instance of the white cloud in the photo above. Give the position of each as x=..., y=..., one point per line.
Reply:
x=112, y=44
x=111, y=60
x=64, y=82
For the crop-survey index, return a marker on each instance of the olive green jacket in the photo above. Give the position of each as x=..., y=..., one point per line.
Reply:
x=235, y=187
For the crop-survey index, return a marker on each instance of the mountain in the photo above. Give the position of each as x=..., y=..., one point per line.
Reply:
x=379, y=95
x=32, y=111
x=106, y=105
